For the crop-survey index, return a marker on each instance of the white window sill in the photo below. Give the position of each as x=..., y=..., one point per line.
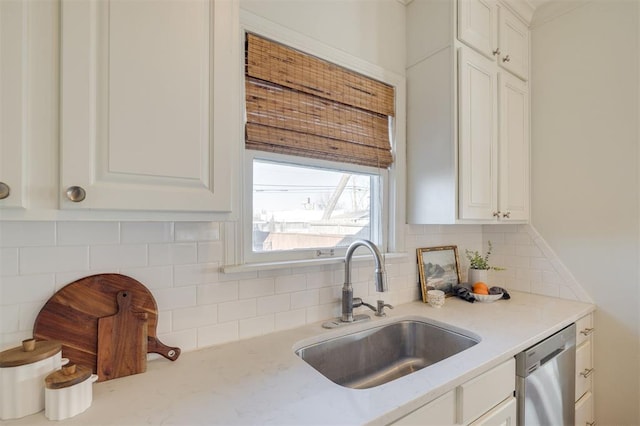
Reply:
x=268, y=266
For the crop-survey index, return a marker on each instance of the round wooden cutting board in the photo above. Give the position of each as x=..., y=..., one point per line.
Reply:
x=71, y=316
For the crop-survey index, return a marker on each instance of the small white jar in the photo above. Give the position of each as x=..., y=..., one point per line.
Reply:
x=435, y=298
x=22, y=373
x=68, y=392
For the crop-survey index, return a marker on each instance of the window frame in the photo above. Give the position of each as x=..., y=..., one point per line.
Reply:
x=308, y=254
x=394, y=210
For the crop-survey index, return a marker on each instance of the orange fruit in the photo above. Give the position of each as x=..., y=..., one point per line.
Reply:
x=480, y=288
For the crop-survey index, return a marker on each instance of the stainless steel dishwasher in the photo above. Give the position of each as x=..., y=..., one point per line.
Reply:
x=545, y=381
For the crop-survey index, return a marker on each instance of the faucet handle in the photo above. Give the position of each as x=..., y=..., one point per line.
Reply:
x=381, y=305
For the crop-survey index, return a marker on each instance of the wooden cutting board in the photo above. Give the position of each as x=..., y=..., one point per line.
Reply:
x=71, y=316
x=122, y=341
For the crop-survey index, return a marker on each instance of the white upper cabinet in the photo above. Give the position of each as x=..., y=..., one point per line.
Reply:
x=513, y=149
x=141, y=128
x=513, y=36
x=13, y=103
x=496, y=32
x=478, y=25
x=467, y=115
x=478, y=136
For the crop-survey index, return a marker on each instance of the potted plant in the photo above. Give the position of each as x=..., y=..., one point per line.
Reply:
x=479, y=266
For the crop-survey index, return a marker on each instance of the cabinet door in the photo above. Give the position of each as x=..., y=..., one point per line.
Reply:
x=514, y=44
x=584, y=369
x=477, y=24
x=478, y=180
x=137, y=105
x=502, y=415
x=584, y=411
x=439, y=412
x=514, y=149
x=13, y=102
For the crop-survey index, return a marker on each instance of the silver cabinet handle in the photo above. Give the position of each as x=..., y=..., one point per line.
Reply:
x=76, y=194
x=586, y=331
x=5, y=190
x=506, y=215
x=506, y=59
x=496, y=52
x=587, y=372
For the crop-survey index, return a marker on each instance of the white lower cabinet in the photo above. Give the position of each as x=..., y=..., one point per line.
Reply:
x=585, y=415
x=504, y=414
x=440, y=411
x=484, y=400
x=584, y=410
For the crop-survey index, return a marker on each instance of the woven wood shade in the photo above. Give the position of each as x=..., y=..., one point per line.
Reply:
x=300, y=105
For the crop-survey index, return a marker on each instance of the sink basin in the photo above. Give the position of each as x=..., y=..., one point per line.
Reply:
x=378, y=355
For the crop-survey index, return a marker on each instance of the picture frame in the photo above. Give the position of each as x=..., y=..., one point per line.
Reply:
x=439, y=269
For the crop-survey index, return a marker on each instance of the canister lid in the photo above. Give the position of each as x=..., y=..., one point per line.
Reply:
x=31, y=351
x=69, y=375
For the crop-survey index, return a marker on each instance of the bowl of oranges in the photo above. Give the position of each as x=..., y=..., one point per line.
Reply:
x=482, y=294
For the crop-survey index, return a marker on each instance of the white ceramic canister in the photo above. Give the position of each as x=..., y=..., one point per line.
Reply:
x=68, y=392
x=22, y=373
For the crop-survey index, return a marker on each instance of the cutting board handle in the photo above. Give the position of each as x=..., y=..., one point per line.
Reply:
x=157, y=347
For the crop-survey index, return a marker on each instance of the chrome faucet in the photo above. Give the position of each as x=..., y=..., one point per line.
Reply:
x=347, y=289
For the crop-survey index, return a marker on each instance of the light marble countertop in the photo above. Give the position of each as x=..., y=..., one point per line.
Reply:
x=261, y=380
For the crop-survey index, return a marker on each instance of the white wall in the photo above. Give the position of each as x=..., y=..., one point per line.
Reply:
x=585, y=178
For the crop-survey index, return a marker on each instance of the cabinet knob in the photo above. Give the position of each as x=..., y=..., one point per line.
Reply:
x=5, y=190
x=496, y=52
x=506, y=59
x=76, y=194
x=586, y=331
x=496, y=214
x=587, y=372
x=506, y=215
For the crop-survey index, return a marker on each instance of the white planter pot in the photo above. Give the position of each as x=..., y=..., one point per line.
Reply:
x=475, y=275
x=22, y=386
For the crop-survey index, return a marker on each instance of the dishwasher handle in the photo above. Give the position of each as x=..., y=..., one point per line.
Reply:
x=539, y=354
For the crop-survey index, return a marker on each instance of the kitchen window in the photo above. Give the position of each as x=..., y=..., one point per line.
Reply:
x=319, y=154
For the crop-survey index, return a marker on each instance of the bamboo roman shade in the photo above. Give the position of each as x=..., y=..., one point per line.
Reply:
x=300, y=105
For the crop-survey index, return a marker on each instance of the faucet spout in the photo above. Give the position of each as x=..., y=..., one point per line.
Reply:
x=347, y=288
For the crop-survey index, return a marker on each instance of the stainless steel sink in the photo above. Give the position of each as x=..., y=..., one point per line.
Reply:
x=378, y=355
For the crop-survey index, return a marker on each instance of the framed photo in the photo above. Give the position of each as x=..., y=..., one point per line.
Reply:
x=439, y=269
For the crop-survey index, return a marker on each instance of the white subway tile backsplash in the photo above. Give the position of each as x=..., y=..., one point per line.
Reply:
x=257, y=326
x=8, y=261
x=118, y=256
x=27, y=234
x=28, y=313
x=172, y=253
x=175, y=298
x=200, y=273
x=200, y=305
x=195, y=317
x=273, y=304
x=86, y=233
x=303, y=299
x=9, y=318
x=290, y=283
x=152, y=277
x=186, y=340
x=241, y=309
x=290, y=319
x=146, y=232
x=218, y=334
x=197, y=231
x=210, y=252
x=217, y=293
x=26, y=288
x=35, y=260
x=256, y=288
